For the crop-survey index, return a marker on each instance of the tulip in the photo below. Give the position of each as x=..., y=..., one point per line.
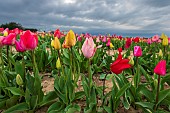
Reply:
x=19, y=80
x=165, y=41
x=136, y=40
x=131, y=61
x=169, y=40
x=108, y=42
x=56, y=43
x=119, y=65
x=29, y=41
x=137, y=51
x=149, y=41
x=160, y=68
x=79, y=38
x=19, y=48
x=119, y=49
x=58, y=64
x=70, y=40
x=5, y=32
x=57, y=33
x=155, y=38
x=97, y=39
x=1, y=38
x=9, y=40
x=88, y=48
x=1, y=30
x=104, y=39
x=128, y=43
x=111, y=45
x=160, y=53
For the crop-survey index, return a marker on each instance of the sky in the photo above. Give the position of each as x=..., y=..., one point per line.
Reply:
x=122, y=17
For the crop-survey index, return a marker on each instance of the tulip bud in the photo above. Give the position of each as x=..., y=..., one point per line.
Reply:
x=131, y=61
x=160, y=53
x=58, y=64
x=52, y=43
x=56, y=43
x=19, y=80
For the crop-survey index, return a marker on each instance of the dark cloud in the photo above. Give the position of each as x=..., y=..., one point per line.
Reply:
x=95, y=16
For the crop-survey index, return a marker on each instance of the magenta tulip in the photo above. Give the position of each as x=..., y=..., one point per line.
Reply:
x=108, y=42
x=137, y=51
x=19, y=48
x=9, y=40
x=1, y=38
x=160, y=68
x=28, y=40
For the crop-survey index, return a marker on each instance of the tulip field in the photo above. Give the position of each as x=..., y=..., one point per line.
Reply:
x=86, y=73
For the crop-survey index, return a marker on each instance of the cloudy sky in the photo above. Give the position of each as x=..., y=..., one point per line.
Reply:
x=122, y=17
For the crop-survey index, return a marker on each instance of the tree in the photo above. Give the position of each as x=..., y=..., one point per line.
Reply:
x=12, y=25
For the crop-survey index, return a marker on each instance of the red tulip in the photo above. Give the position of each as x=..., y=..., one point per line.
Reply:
x=9, y=40
x=137, y=51
x=28, y=40
x=57, y=33
x=160, y=68
x=108, y=42
x=120, y=49
x=136, y=40
x=1, y=30
x=128, y=43
x=119, y=65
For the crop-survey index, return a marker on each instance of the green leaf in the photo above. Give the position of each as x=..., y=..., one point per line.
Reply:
x=19, y=107
x=19, y=69
x=163, y=94
x=73, y=109
x=50, y=97
x=16, y=91
x=122, y=90
x=79, y=95
x=108, y=109
x=56, y=107
x=145, y=104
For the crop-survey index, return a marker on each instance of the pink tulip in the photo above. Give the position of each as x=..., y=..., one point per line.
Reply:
x=155, y=38
x=19, y=48
x=149, y=41
x=137, y=51
x=28, y=40
x=79, y=38
x=160, y=68
x=9, y=40
x=108, y=42
x=88, y=48
x=97, y=39
x=1, y=38
x=1, y=30
x=169, y=40
x=104, y=39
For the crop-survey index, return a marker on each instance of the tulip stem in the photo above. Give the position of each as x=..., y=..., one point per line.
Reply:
x=157, y=94
x=104, y=89
x=35, y=69
x=8, y=54
x=90, y=76
x=23, y=66
x=1, y=59
x=71, y=63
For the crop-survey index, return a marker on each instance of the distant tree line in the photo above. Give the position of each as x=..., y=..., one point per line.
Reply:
x=13, y=25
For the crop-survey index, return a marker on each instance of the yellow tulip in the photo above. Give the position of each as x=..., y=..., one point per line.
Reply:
x=70, y=39
x=58, y=64
x=131, y=61
x=160, y=53
x=163, y=36
x=52, y=43
x=5, y=33
x=57, y=44
x=111, y=45
x=165, y=41
x=19, y=80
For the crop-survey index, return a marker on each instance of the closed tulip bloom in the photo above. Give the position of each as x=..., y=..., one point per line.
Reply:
x=169, y=40
x=149, y=41
x=160, y=68
x=29, y=41
x=160, y=53
x=19, y=80
x=137, y=51
x=70, y=39
x=56, y=43
x=9, y=40
x=58, y=64
x=88, y=48
x=111, y=45
x=104, y=39
x=18, y=46
x=119, y=65
x=108, y=42
x=165, y=41
x=128, y=43
x=57, y=33
x=1, y=30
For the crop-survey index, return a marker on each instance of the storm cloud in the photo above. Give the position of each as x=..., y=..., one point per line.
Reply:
x=126, y=17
